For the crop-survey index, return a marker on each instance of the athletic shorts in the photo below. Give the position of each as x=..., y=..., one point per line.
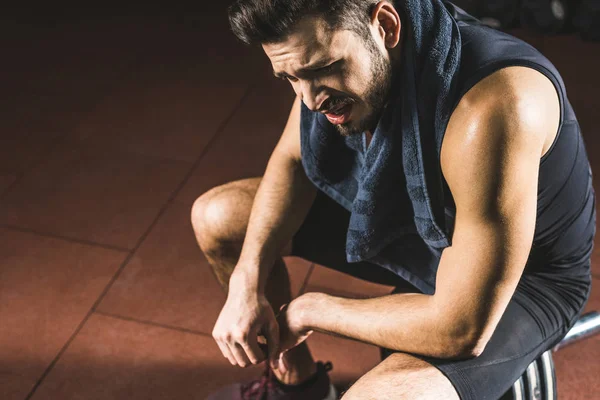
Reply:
x=541, y=312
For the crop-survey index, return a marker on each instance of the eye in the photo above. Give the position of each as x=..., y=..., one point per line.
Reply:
x=328, y=69
x=287, y=78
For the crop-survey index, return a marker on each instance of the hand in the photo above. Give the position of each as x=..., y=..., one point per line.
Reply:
x=245, y=315
x=292, y=331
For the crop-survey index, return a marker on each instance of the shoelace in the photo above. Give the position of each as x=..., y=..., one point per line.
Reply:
x=258, y=389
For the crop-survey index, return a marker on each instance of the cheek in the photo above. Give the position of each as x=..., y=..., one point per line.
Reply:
x=357, y=78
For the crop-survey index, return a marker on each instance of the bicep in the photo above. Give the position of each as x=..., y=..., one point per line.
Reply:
x=492, y=173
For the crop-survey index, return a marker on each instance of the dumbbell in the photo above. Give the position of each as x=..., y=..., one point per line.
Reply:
x=547, y=16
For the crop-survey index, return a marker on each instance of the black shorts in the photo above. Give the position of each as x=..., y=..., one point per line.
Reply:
x=539, y=315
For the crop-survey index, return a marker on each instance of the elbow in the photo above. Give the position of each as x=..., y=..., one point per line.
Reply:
x=471, y=348
x=465, y=335
x=468, y=346
x=465, y=342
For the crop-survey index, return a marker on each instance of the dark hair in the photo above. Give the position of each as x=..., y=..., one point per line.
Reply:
x=268, y=21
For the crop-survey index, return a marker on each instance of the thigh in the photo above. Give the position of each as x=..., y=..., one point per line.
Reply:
x=321, y=239
x=402, y=376
x=528, y=327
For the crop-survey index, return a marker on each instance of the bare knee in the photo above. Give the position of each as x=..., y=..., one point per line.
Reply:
x=220, y=217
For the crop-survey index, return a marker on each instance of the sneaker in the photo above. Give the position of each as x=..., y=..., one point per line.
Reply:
x=268, y=388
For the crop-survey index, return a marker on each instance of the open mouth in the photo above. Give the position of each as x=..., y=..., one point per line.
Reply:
x=340, y=114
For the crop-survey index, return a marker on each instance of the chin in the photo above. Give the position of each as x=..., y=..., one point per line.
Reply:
x=353, y=127
x=348, y=129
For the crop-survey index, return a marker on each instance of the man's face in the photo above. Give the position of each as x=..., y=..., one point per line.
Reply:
x=338, y=73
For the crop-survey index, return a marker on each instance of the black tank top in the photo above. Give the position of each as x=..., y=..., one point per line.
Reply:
x=566, y=212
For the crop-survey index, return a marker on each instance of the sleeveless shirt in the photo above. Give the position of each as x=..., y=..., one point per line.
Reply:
x=566, y=213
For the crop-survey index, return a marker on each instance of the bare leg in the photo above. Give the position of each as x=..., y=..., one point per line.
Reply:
x=220, y=219
x=402, y=376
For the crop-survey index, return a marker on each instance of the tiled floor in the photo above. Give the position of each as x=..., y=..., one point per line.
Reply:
x=110, y=128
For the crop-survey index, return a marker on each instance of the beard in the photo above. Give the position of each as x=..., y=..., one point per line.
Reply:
x=375, y=95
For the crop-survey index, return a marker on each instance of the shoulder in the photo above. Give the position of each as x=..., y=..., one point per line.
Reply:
x=505, y=117
x=506, y=105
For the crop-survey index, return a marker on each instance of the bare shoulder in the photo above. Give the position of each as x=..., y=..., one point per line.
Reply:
x=512, y=105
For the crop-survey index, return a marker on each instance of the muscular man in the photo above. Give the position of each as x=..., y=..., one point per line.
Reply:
x=518, y=199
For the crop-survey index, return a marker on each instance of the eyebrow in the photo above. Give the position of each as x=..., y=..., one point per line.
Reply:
x=306, y=70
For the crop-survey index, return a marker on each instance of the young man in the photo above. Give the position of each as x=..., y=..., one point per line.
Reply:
x=426, y=151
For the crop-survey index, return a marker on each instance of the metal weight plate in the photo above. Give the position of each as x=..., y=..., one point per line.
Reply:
x=547, y=375
x=517, y=392
x=532, y=382
x=519, y=389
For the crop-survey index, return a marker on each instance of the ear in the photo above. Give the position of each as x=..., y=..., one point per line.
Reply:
x=387, y=20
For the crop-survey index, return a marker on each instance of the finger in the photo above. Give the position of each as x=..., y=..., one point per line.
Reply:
x=226, y=353
x=272, y=335
x=240, y=355
x=253, y=351
x=283, y=367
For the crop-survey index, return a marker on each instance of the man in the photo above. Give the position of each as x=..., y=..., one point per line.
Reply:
x=469, y=314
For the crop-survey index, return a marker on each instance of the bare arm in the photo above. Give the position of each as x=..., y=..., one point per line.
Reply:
x=282, y=202
x=491, y=165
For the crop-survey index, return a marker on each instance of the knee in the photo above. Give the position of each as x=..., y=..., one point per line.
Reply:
x=218, y=218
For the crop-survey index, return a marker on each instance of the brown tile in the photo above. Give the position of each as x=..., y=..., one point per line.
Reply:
x=298, y=269
x=330, y=281
x=169, y=281
x=92, y=193
x=243, y=149
x=116, y=359
x=29, y=126
x=183, y=89
x=165, y=96
x=577, y=370
x=174, y=116
x=47, y=286
x=350, y=359
x=58, y=72
x=76, y=57
x=577, y=367
x=5, y=181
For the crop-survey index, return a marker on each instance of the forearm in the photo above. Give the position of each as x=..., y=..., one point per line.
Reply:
x=281, y=204
x=407, y=322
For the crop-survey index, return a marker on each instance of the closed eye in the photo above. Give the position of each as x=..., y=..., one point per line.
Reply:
x=327, y=69
x=307, y=72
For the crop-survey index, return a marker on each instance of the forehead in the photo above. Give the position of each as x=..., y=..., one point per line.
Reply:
x=311, y=40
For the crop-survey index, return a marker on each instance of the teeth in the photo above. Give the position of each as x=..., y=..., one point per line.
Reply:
x=338, y=109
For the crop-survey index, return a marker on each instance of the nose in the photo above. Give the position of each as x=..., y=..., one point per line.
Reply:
x=309, y=93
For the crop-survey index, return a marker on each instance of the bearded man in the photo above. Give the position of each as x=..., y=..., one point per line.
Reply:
x=426, y=151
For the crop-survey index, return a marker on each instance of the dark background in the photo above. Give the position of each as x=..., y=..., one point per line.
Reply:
x=111, y=125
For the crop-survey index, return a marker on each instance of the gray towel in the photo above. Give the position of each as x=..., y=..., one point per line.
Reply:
x=397, y=185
